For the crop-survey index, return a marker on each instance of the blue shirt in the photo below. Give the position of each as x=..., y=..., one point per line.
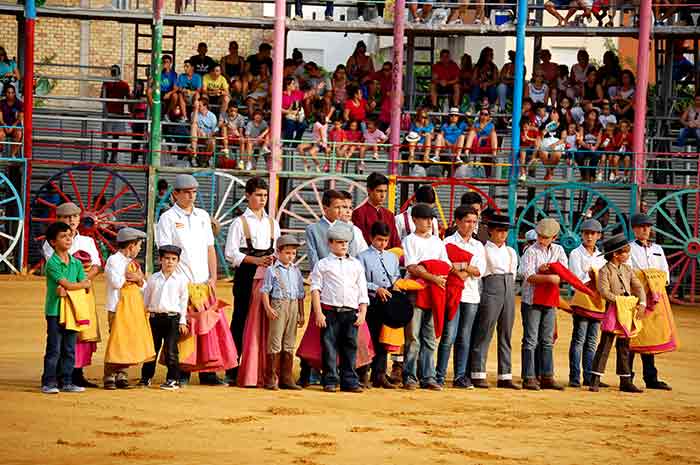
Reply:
x=207, y=122
x=372, y=260
x=291, y=278
x=317, y=242
x=451, y=132
x=193, y=83
x=422, y=130
x=167, y=80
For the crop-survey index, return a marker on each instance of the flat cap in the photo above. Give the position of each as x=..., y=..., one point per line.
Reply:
x=185, y=181
x=422, y=210
x=288, y=240
x=130, y=234
x=499, y=221
x=591, y=224
x=614, y=243
x=173, y=249
x=547, y=227
x=531, y=235
x=340, y=232
x=639, y=219
x=67, y=209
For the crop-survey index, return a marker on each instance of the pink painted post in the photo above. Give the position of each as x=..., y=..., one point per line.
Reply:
x=276, y=123
x=640, y=95
x=397, y=87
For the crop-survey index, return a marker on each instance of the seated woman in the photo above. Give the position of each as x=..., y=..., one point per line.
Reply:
x=233, y=66
x=423, y=128
x=622, y=96
x=482, y=139
x=12, y=117
x=505, y=87
x=293, y=117
x=259, y=95
x=466, y=74
x=9, y=72
x=359, y=64
x=485, y=79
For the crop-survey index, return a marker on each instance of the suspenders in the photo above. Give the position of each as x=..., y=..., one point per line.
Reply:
x=249, y=250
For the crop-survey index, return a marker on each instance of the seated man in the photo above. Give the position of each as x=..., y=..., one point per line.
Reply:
x=204, y=126
x=445, y=80
x=189, y=87
x=215, y=86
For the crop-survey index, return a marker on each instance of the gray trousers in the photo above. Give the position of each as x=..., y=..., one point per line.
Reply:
x=497, y=307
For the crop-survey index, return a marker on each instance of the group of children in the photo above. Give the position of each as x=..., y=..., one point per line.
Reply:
x=455, y=293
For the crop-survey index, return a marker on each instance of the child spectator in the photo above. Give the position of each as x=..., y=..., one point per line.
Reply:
x=529, y=142
x=11, y=118
x=373, y=137
x=257, y=136
x=607, y=149
x=63, y=273
x=189, y=86
x=552, y=145
x=231, y=124
x=537, y=90
x=451, y=136
x=204, y=126
x=355, y=142
x=587, y=156
x=339, y=300
x=215, y=86
x=320, y=144
x=168, y=81
x=605, y=115
x=130, y=339
x=541, y=115
x=165, y=298
x=337, y=137
x=423, y=127
x=283, y=299
x=623, y=150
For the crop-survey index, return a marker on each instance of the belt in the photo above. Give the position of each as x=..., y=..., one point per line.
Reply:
x=337, y=309
x=168, y=314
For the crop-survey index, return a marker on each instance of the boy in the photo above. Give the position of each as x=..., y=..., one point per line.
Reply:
x=645, y=254
x=257, y=136
x=373, y=210
x=539, y=321
x=339, y=300
x=333, y=204
x=231, y=124
x=165, y=298
x=497, y=305
x=381, y=272
x=358, y=244
x=583, y=261
x=420, y=344
x=283, y=299
x=623, y=148
x=130, y=339
x=404, y=221
x=458, y=331
x=63, y=273
x=529, y=142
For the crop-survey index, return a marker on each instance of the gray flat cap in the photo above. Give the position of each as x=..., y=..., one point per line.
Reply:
x=185, y=181
x=288, y=240
x=130, y=234
x=173, y=249
x=340, y=232
x=591, y=224
x=547, y=227
x=67, y=209
x=640, y=219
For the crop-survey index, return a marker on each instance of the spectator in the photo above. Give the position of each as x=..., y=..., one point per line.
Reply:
x=233, y=68
x=623, y=151
x=339, y=85
x=232, y=125
x=445, y=79
x=384, y=78
x=9, y=72
x=605, y=115
x=690, y=120
x=356, y=107
x=549, y=69
x=541, y=115
x=553, y=5
x=529, y=142
x=259, y=87
x=163, y=190
x=298, y=60
x=505, y=87
x=482, y=139
x=294, y=121
x=609, y=74
x=255, y=62
x=425, y=13
x=257, y=137
x=355, y=142
x=117, y=89
x=12, y=117
x=204, y=126
x=583, y=5
x=552, y=144
x=466, y=74
x=316, y=82
x=168, y=81
x=587, y=156
x=189, y=87
x=337, y=137
x=682, y=67
x=176, y=129
x=202, y=63
x=423, y=128
x=578, y=73
x=459, y=15
x=623, y=96
x=359, y=64
x=215, y=86
x=299, y=10
x=139, y=129
x=607, y=143
x=537, y=90
x=566, y=111
x=451, y=137
x=603, y=8
x=572, y=137
x=564, y=88
x=486, y=78
x=373, y=137
x=320, y=144
x=592, y=90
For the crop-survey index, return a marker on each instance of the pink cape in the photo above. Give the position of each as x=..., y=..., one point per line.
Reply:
x=310, y=346
x=83, y=353
x=252, y=369
x=610, y=323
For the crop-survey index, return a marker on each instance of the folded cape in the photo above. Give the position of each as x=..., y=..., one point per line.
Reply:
x=586, y=305
x=455, y=284
x=433, y=297
x=659, y=334
x=547, y=294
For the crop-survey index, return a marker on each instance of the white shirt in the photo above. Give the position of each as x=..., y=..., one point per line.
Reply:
x=417, y=249
x=359, y=240
x=581, y=262
x=500, y=260
x=470, y=294
x=341, y=281
x=652, y=256
x=400, y=220
x=79, y=243
x=115, y=276
x=167, y=295
x=193, y=234
x=260, y=235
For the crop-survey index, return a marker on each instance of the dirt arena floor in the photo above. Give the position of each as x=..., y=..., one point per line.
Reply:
x=214, y=425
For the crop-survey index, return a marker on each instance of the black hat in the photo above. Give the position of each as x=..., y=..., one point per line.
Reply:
x=173, y=249
x=499, y=221
x=614, y=243
x=396, y=312
x=422, y=210
x=640, y=219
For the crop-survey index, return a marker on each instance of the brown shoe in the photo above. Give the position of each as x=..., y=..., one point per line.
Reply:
x=410, y=386
x=595, y=383
x=550, y=383
x=432, y=386
x=531, y=384
x=507, y=384
x=354, y=389
x=363, y=374
x=286, y=380
x=382, y=382
x=480, y=383
x=626, y=385
x=396, y=375
x=272, y=366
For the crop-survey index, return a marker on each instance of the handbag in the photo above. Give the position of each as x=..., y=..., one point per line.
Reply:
x=397, y=311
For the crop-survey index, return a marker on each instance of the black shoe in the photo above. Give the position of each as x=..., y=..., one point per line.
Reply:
x=507, y=384
x=144, y=383
x=123, y=384
x=480, y=383
x=211, y=380
x=462, y=383
x=330, y=388
x=626, y=385
x=110, y=385
x=576, y=384
x=83, y=382
x=660, y=385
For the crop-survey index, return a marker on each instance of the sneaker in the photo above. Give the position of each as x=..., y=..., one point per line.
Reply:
x=435, y=159
x=170, y=385
x=378, y=20
x=241, y=165
x=329, y=18
x=462, y=383
x=249, y=166
x=612, y=177
x=144, y=383
x=599, y=177
x=49, y=390
x=123, y=384
x=432, y=386
x=72, y=388
x=330, y=388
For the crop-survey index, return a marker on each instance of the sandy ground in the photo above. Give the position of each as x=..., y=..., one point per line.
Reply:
x=205, y=425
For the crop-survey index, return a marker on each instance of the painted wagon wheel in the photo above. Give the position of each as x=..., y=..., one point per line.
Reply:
x=11, y=225
x=568, y=203
x=680, y=240
x=221, y=195
x=303, y=206
x=107, y=200
x=454, y=185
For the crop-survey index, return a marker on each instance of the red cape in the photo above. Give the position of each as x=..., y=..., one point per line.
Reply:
x=548, y=294
x=433, y=297
x=455, y=284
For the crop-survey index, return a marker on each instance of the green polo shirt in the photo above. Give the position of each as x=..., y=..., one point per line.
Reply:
x=57, y=270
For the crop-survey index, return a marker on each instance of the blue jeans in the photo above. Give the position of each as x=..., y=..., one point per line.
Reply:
x=60, y=345
x=457, y=332
x=478, y=93
x=539, y=328
x=686, y=133
x=339, y=338
x=504, y=91
x=292, y=130
x=584, y=340
x=587, y=161
x=419, y=351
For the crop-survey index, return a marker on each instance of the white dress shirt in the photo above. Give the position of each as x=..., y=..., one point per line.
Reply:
x=581, y=262
x=260, y=235
x=500, y=260
x=115, y=276
x=417, y=249
x=341, y=281
x=167, y=295
x=534, y=257
x=404, y=217
x=79, y=243
x=359, y=241
x=651, y=256
x=470, y=294
x=193, y=234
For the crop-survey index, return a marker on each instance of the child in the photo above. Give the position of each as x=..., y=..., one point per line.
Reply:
x=130, y=339
x=539, y=321
x=353, y=135
x=283, y=299
x=451, y=136
x=607, y=149
x=63, y=273
x=381, y=272
x=605, y=115
x=373, y=137
x=424, y=128
x=358, y=243
x=257, y=136
x=616, y=279
x=231, y=124
x=165, y=298
x=337, y=136
x=421, y=342
x=622, y=145
x=583, y=261
x=571, y=139
x=497, y=306
x=529, y=141
x=320, y=144
x=339, y=301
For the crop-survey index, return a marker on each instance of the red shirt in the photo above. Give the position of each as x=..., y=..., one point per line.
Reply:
x=448, y=72
x=116, y=90
x=353, y=136
x=623, y=141
x=337, y=135
x=532, y=134
x=289, y=99
x=366, y=215
x=357, y=112
x=384, y=81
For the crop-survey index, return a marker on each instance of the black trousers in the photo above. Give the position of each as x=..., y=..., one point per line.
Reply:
x=649, y=371
x=165, y=331
x=622, y=347
x=339, y=340
x=374, y=323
